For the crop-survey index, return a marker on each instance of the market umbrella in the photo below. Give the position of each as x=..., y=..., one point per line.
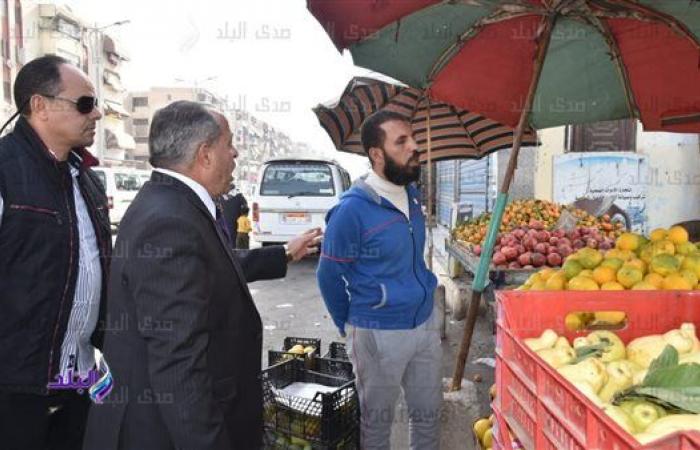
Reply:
x=455, y=132
x=442, y=131
x=608, y=59
x=538, y=63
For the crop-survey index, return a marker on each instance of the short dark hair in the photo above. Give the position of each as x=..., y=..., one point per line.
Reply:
x=372, y=133
x=178, y=130
x=244, y=210
x=39, y=76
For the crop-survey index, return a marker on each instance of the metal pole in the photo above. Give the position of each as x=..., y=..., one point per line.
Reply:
x=430, y=189
x=487, y=252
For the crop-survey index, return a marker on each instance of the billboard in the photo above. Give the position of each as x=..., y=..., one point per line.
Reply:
x=615, y=178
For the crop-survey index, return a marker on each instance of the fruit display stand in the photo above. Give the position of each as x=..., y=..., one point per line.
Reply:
x=498, y=277
x=538, y=404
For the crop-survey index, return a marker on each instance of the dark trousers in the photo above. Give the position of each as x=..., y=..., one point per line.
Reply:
x=39, y=422
x=242, y=241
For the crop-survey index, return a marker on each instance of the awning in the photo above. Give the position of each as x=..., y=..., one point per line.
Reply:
x=113, y=80
x=112, y=107
x=115, y=138
x=113, y=47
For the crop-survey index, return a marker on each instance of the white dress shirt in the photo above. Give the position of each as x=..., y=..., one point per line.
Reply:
x=198, y=189
x=77, y=352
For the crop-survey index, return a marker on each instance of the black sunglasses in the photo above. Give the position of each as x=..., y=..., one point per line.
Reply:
x=84, y=104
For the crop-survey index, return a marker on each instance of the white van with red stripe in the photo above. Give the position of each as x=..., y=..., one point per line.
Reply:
x=293, y=195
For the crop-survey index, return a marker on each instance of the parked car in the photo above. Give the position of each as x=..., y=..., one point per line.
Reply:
x=293, y=195
x=143, y=176
x=121, y=185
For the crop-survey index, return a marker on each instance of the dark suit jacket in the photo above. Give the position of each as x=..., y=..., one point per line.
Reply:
x=183, y=338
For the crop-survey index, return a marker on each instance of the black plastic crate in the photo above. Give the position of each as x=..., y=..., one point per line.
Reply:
x=336, y=350
x=278, y=441
x=277, y=356
x=329, y=366
x=335, y=367
x=290, y=342
x=323, y=421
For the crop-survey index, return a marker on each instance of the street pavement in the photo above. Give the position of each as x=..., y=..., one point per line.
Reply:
x=293, y=307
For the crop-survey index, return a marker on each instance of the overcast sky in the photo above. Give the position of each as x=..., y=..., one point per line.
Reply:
x=263, y=53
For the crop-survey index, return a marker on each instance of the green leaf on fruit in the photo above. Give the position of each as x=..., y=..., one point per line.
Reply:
x=673, y=386
x=590, y=351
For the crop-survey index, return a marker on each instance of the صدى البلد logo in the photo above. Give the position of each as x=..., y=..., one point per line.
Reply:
x=98, y=382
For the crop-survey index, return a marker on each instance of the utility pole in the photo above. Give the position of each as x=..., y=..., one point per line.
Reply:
x=195, y=83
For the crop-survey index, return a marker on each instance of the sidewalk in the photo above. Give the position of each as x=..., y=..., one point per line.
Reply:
x=293, y=307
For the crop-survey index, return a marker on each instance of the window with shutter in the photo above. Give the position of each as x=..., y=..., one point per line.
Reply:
x=609, y=136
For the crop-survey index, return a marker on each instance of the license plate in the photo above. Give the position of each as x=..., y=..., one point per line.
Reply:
x=296, y=218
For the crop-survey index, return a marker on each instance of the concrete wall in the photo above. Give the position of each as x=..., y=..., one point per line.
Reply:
x=673, y=185
x=15, y=60
x=42, y=38
x=552, y=140
x=158, y=97
x=523, y=185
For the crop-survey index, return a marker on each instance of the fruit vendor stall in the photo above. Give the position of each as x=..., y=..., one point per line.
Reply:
x=538, y=64
x=533, y=234
x=611, y=359
x=564, y=384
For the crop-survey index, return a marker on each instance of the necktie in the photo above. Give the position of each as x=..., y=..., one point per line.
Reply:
x=221, y=223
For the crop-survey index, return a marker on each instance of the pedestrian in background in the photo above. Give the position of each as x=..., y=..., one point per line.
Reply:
x=231, y=204
x=55, y=246
x=244, y=229
x=379, y=292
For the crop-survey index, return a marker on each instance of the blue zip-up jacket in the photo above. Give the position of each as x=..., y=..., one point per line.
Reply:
x=372, y=272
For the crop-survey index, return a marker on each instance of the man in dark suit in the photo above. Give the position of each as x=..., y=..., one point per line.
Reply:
x=183, y=338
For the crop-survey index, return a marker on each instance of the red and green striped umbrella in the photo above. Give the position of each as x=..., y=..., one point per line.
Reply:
x=607, y=59
x=531, y=63
x=454, y=132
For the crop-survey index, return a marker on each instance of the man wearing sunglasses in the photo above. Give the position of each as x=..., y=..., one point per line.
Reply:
x=55, y=246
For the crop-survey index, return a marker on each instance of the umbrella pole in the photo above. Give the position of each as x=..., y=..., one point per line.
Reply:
x=430, y=190
x=479, y=282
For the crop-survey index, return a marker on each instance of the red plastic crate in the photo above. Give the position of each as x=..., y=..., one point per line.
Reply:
x=502, y=435
x=543, y=409
x=519, y=406
x=555, y=434
x=500, y=442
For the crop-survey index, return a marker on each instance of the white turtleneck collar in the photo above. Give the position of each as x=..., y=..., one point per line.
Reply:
x=394, y=193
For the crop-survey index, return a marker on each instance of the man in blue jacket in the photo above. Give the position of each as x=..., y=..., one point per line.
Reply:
x=375, y=284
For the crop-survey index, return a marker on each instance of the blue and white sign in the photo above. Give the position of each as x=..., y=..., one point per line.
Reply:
x=619, y=177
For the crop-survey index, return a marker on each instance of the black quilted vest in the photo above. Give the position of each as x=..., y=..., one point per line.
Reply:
x=39, y=255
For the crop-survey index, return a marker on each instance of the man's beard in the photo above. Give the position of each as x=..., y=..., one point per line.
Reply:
x=400, y=175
